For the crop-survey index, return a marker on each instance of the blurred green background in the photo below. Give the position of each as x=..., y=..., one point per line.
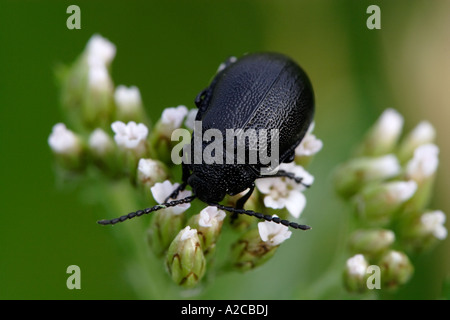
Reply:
x=170, y=50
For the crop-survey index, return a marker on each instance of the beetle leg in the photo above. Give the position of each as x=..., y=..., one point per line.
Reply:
x=240, y=203
x=186, y=172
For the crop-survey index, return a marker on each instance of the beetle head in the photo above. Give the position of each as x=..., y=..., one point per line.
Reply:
x=205, y=191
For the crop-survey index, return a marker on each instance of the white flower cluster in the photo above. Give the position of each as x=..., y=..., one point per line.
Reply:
x=283, y=192
x=389, y=182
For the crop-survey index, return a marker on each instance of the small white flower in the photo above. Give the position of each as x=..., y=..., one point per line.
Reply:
x=173, y=117
x=423, y=133
x=388, y=236
x=187, y=233
x=424, y=162
x=309, y=146
x=388, y=126
x=149, y=171
x=357, y=265
x=190, y=118
x=162, y=190
x=210, y=215
x=131, y=135
x=395, y=257
x=100, y=142
x=284, y=192
x=100, y=51
x=147, y=167
x=272, y=233
x=382, y=167
x=127, y=98
x=400, y=191
x=62, y=140
x=433, y=223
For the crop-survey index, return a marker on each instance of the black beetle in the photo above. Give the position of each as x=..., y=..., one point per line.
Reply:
x=258, y=91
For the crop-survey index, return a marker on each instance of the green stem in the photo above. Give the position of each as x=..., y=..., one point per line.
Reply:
x=145, y=272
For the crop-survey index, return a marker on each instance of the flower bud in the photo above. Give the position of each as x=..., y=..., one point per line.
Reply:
x=87, y=87
x=355, y=273
x=424, y=231
x=100, y=50
x=250, y=251
x=185, y=260
x=129, y=104
x=100, y=143
x=396, y=269
x=383, y=136
x=149, y=172
x=166, y=223
x=371, y=242
x=161, y=137
x=352, y=176
x=67, y=147
x=378, y=202
x=256, y=247
x=131, y=138
x=98, y=107
x=208, y=224
x=422, y=169
x=98, y=103
x=433, y=223
x=103, y=151
x=171, y=119
x=423, y=133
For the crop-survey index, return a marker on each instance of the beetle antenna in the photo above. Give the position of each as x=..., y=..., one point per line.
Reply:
x=175, y=192
x=290, y=175
x=262, y=216
x=139, y=213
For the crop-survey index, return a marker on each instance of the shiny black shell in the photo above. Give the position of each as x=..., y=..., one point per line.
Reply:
x=258, y=91
x=261, y=91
